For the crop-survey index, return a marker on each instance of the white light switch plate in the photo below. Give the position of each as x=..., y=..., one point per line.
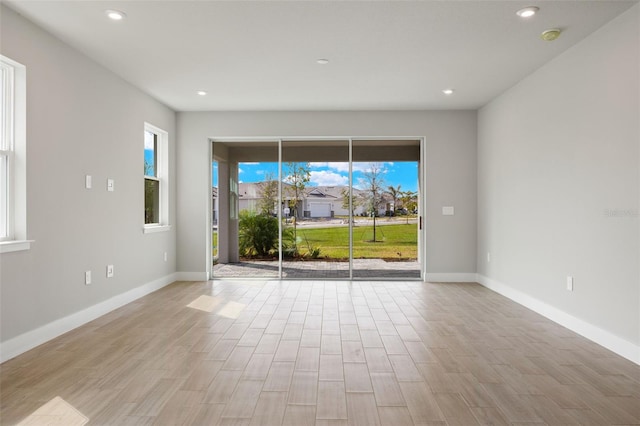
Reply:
x=87, y=181
x=448, y=211
x=569, y=283
x=110, y=185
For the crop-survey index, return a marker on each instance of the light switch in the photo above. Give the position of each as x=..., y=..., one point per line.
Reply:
x=110, y=185
x=448, y=211
x=87, y=181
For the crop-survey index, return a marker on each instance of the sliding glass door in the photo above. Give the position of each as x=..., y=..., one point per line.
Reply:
x=315, y=222
x=385, y=234
x=246, y=229
x=316, y=208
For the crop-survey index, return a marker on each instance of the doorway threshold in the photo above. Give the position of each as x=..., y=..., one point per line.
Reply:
x=363, y=270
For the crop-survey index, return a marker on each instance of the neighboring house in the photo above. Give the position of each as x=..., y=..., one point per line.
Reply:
x=317, y=201
x=250, y=195
x=321, y=201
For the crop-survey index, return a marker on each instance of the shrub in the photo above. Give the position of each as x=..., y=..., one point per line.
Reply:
x=314, y=252
x=289, y=246
x=258, y=234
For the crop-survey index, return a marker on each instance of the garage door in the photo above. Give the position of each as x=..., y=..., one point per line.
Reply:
x=320, y=209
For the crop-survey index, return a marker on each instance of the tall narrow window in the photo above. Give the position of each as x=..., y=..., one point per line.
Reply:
x=156, y=204
x=13, y=230
x=6, y=148
x=151, y=180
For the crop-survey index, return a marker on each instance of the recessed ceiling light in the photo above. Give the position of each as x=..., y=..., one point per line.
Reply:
x=551, y=34
x=448, y=91
x=116, y=15
x=322, y=61
x=527, y=12
x=201, y=92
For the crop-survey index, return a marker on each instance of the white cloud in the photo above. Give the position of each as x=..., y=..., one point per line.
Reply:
x=339, y=167
x=343, y=167
x=240, y=170
x=328, y=178
x=357, y=166
x=149, y=141
x=362, y=167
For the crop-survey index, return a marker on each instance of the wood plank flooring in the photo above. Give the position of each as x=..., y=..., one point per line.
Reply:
x=322, y=353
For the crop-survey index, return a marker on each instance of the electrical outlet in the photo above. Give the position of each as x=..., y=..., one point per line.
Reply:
x=569, y=283
x=87, y=277
x=109, y=271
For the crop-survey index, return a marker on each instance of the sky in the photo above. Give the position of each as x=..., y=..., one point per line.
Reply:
x=396, y=173
x=149, y=148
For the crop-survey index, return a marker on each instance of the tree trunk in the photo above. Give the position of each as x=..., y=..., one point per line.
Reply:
x=374, y=227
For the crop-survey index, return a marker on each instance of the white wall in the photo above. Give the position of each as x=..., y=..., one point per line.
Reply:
x=450, y=171
x=81, y=119
x=558, y=154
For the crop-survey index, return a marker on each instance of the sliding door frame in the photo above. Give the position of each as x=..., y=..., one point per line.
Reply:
x=421, y=196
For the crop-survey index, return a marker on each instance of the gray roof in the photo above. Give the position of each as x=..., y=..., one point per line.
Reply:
x=251, y=190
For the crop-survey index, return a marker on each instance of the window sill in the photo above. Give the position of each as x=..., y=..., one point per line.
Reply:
x=15, y=245
x=151, y=229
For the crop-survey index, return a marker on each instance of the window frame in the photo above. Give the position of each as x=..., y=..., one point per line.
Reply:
x=161, y=176
x=13, y=214
x=7, y=77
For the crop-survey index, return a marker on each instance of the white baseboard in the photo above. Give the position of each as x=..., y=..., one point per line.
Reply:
x=602, y=337
x=29, y=340
x=454, y=277
x=191, y=276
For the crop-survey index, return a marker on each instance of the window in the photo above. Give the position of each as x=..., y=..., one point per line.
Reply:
x=6, y=148
x=156, y=191
x=13, y=230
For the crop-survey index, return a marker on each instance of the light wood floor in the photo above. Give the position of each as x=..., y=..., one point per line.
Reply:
x=323, y=353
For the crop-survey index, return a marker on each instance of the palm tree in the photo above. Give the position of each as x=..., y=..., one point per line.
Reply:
x=409, y=201
x=395, y=193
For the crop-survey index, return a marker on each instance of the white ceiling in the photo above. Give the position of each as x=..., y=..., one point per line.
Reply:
x=262, y=55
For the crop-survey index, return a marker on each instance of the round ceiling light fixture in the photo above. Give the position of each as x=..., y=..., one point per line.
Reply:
x=115, y=15
x=322, y=61
x=550, y=35
x=201, y=93
x=527, y=12
x=448, y=92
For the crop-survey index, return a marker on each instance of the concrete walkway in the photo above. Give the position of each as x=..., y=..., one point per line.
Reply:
x=362, y=268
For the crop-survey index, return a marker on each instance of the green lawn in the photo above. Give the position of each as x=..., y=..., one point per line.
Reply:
x=393, y=241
